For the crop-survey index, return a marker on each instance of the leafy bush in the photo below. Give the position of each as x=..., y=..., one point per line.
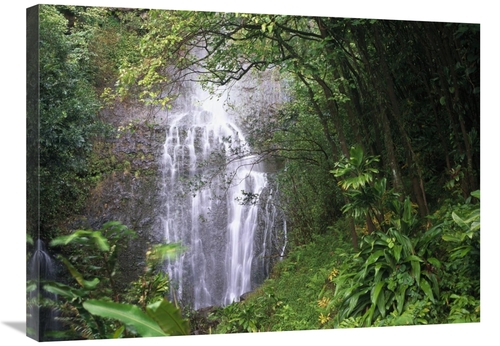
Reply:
x=92, y=307
x=461, y=279
x=68, y=121
x=407, y=275
x=385, y=277
x=432, y=277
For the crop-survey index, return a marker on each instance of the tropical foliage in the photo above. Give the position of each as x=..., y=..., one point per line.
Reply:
x=90, y=306
x=394, y=279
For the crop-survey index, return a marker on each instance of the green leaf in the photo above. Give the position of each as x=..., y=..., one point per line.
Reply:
x=119, y=332
x=460, y=251
x=62, y=290
x=415, y=266
x=356, y=153
x=90, y=285
x=126, y=313
x=368, y=316
x=30, y=286
x=369, y=261
x=404, y=241
x=407, y=211
x=397, y=252
x=101, y=242
x=78, y=276
x=434, y=261
x=75, y=236
x=352, y=300
x=459, y=221
x=168, y=317
x=475, y=226
x=413, y=258
x=374, y=257
x=378, y=297
x=400, y=297
x=162, y=252
x=426, y=287
x=435, y=283
x=452, y=238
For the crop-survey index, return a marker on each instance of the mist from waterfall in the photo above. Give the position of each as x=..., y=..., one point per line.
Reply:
x=206, y=168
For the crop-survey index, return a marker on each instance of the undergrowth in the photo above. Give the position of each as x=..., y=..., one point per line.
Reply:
x=411, y=275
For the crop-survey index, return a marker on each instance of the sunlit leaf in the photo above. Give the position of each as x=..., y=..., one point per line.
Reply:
x=126, y=313
x=168, y=317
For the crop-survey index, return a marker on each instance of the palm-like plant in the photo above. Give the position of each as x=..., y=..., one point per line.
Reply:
x=367, y=194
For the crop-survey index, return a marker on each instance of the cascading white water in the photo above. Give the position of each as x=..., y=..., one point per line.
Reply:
x=41, y=267
x=203, y=183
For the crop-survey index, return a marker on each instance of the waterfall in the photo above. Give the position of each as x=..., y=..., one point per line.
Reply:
x=40, y=319
x=206, y=167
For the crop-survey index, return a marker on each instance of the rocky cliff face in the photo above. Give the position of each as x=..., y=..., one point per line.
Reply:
x=127, y=190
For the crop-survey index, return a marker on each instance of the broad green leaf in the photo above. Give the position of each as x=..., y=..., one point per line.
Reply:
x=30, y=286
x=404, y=241
x=378, y=273
x=473, y=216
x=79, y=236
x=397, y=252
x=368, y=316
x=374, y=257
x=434, y=261
x=378, y=297
x=415, y=266
x=458, y=220
x=168, y=317
x=376, y=291
x=389, y=260
x=426, y=287
x=413, y=258
x=475, y=226
x=126, y=313
x=435, y=283
x=62, y=290
x=101, y=242
x=407, y=211
x=460, y=251
x=400, y=297
x=92, y=284
x=451, y=237
x=356, y=153
x=353, y=300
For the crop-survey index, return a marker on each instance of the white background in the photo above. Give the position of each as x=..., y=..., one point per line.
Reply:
x=13, y=168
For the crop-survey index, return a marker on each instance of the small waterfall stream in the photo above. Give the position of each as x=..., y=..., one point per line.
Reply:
x=205, y=169
x=40, y=267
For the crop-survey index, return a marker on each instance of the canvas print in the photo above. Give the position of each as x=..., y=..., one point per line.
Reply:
x=194, y=173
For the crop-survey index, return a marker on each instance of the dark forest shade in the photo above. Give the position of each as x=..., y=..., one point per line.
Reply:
x=32, y=154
